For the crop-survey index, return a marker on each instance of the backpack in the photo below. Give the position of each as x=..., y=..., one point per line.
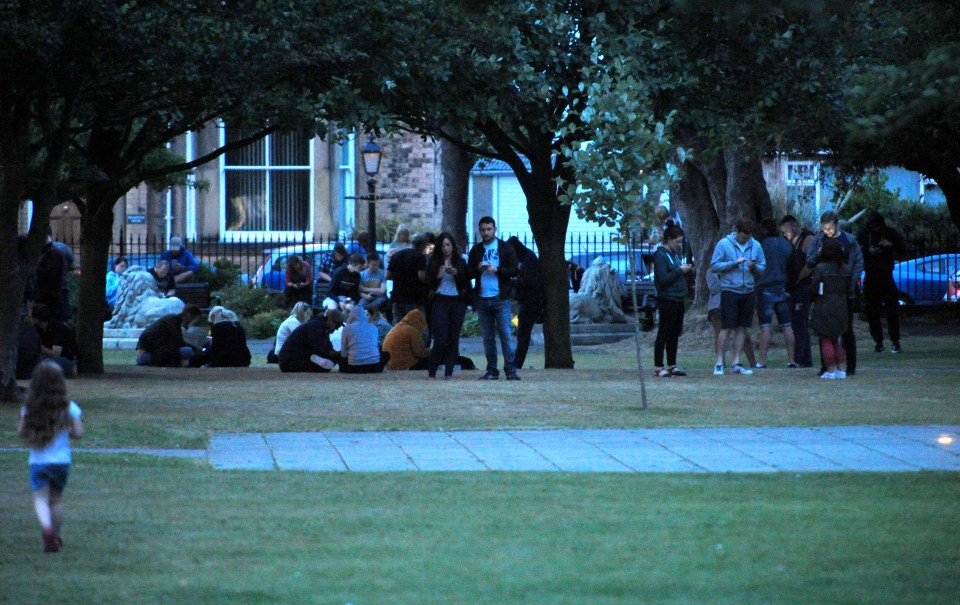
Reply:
x=797, y=261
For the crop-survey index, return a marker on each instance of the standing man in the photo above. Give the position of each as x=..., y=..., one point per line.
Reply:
x=737, y=260
x=409, y=290
x=49, y=285
x=492, y=263
x=799, y=289
x=182, y=263
x=881, y=246
x=772, y=292
x=529, y=295
x=829, y=228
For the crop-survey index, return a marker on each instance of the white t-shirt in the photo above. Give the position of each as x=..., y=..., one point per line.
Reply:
x=283, y=332
x=58, y=450
x=489, y=284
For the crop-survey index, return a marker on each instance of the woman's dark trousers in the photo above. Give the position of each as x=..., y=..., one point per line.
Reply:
x=668, y=332
x=446, y=321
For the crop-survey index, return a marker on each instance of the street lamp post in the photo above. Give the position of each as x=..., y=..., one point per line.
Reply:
x=372, y=154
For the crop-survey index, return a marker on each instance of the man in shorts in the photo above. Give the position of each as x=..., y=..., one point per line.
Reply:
x=738, y=261
x=772, y=292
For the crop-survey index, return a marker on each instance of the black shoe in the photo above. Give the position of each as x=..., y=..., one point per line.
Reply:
x=851, y=372
x=879, y=348
x=490, y=376
x=513, y=376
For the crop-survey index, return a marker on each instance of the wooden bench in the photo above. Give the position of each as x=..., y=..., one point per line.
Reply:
x=195, y=294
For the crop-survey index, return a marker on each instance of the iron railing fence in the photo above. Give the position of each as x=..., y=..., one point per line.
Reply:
x=924, y=280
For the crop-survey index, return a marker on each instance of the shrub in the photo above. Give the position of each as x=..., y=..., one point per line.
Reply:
x=471, y=325
x=225, y=273
x=927, y=229
x=247, y=302
x=265, y=324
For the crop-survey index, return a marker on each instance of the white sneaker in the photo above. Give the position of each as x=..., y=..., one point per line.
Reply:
x=739, y=369
x=831, y=375
x=718, y=369
x=323, y=362
x=840, y=374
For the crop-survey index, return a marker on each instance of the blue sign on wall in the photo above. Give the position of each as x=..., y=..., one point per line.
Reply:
x=136, y=219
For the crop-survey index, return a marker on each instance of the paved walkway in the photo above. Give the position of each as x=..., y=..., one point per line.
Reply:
x=707, y=450
x=734, y=450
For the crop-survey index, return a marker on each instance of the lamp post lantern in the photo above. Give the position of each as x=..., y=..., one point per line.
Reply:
x=372, y=154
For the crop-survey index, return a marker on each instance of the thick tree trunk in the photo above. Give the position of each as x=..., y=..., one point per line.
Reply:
x=548, y=221
x=948, y=178
x=713, y=196
x=455, y=165
x=11, y=283
x=96, y=226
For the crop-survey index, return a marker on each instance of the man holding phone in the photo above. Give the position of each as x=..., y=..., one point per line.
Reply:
x=492, y=263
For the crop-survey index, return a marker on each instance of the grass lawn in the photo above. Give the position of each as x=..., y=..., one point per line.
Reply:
x=174, y=408
x=142, y=530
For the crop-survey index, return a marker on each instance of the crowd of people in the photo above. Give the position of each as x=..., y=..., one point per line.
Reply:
x=809, y=281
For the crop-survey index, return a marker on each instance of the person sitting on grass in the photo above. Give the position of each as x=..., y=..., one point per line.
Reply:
x=228, y=340
x=378, y=320
x=373, y=283
x=48, y=420
x=308, y=347
x=359, y=345
x=300, y=313
x=345, y=284
x=162, y=344
x=57, y=341
x=405, y=345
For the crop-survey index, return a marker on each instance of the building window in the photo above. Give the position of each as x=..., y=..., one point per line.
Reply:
x=346, y=158
x=803, y=183
x=267, y=187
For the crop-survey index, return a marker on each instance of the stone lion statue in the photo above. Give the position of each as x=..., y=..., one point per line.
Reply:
x=600, y=297
x=139, y=302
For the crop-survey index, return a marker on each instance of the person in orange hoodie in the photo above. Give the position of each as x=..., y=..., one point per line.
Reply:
x=404, y=342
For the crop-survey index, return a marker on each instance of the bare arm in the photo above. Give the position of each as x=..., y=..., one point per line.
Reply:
x=76, y=428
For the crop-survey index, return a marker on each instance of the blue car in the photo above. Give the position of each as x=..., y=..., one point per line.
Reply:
x=926, y=280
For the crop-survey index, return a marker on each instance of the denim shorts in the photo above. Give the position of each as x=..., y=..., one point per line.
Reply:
x=54, y=475
x=770, y=302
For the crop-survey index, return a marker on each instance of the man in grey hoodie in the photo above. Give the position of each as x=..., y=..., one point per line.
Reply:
x=738, y=261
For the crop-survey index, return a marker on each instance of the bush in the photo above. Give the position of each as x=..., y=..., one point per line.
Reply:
x=247, y=302
x=927, y=229
x=225, y=273
x=471, y=325
x=264, y=325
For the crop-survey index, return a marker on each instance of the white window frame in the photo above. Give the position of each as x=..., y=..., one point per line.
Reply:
x=277, y=236
x=813, y=181
x=347, y=179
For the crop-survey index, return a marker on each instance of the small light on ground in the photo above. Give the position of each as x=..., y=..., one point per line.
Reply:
x=944, y=439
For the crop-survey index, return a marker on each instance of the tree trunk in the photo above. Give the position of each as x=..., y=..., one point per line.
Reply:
x=713, y=197
x=11, y=283
x=96, y=226
x=455, y=165
x=548, y=221
x=948, y=178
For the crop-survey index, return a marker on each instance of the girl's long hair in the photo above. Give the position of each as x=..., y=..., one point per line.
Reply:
x=46, y=404
x=436, y=257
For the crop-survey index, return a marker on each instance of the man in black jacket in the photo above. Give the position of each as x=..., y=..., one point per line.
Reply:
x=162, y=344
x=881, y=246
x=493, y=264
x=529, y=287
x=308, y=347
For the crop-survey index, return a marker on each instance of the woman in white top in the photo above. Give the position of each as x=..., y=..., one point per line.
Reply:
x=47, y=422
x=300, y=313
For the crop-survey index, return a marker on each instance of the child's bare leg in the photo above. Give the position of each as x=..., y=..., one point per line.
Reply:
x=56, y=509
x=41, y=504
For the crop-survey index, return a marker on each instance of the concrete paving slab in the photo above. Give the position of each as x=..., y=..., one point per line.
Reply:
x=570, y=453
x=370, y=452
x=501, y=451
x=436, y=451
x=304, y=452
x=241, y=451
